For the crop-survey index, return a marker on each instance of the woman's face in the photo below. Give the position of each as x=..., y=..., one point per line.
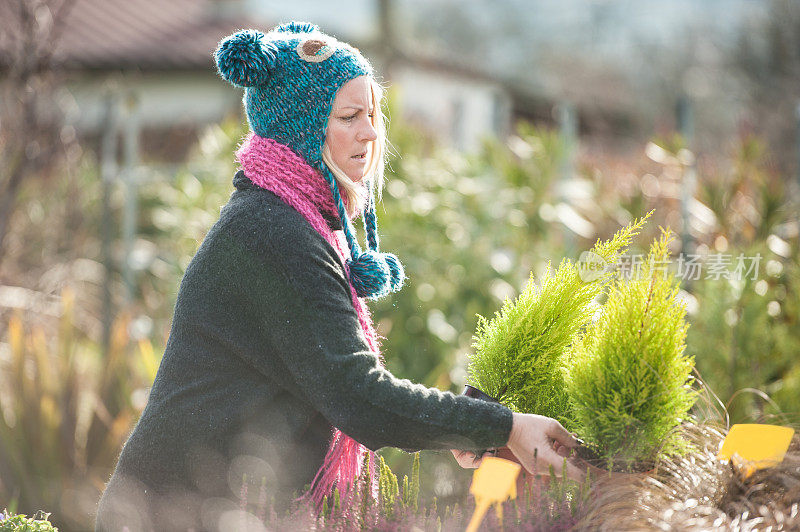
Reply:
x=350, y=134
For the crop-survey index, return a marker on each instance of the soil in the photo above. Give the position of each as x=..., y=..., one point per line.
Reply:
x=776, y=487
x=588, y=455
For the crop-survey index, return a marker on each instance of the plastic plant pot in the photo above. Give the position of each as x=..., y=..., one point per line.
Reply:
x=475, y=393
x=597, y=467
x=471, y=391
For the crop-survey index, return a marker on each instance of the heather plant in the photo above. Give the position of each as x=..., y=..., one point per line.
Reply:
x=518, y=353
x=390, y=496
x=555, y=505
x=10, y=522
x=629, y=378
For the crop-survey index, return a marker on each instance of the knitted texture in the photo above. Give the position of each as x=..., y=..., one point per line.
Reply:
x=266, y=354
x=291, y=76
x=288, y=96
x=274, y=167
x=372, y=273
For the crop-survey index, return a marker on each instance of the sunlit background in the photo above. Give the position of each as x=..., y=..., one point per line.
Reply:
x=522, y=132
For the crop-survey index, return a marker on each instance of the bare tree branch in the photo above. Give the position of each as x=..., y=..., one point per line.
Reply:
x=29, y=138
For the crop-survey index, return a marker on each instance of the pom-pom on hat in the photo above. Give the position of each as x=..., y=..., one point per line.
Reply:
x=291, y=76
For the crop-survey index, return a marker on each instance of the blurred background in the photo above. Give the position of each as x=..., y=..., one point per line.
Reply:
x=521, y=133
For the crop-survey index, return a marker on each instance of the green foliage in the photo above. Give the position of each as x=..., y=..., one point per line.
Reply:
x=364, y=489
x=518, y=354
x=23, y=523
x=746, y=339
x=388, y=490
x=66, y=412
x=413, y=497
x=745, y=330
x=480, y=213
x=628, y=379
x=176, y=210
x=391, y=499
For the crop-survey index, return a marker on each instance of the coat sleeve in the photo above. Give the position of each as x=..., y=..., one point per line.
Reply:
x=311, y=332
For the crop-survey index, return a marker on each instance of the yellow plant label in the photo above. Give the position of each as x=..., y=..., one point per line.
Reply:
x=752, y=446
x=492, y=483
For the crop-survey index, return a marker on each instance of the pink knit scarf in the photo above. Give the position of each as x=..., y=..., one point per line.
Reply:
x=275, y=167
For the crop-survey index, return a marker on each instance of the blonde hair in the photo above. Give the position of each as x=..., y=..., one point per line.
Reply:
x=355, y=194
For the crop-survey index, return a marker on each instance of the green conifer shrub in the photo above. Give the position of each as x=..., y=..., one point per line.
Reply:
x=518, y=353
x=629, y=379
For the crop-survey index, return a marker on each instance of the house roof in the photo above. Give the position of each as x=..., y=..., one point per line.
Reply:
x=173, y=34
x=145, y=34
x=450, y=66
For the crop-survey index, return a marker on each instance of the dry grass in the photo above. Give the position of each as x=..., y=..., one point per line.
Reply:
x=698, y=492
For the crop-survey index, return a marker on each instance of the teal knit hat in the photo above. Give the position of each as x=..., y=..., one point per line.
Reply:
x=291, y=76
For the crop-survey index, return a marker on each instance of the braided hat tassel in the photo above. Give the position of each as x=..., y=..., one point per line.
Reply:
x=396, y=271
x=372, y=273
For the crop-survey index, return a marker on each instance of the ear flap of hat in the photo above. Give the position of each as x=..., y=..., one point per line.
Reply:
x=297, y=27
x=245, y=59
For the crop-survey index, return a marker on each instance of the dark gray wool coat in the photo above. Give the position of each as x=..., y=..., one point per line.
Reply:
x=265, y=356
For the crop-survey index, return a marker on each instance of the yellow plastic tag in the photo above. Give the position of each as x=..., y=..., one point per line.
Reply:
x=752, y=446
x=493, y=482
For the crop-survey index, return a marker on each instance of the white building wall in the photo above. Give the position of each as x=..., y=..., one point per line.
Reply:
x=164, y=100
x=459, y=110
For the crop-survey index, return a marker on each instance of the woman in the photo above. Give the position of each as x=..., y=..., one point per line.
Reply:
x=272, y=367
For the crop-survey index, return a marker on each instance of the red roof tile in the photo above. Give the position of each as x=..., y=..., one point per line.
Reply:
x=146, y=34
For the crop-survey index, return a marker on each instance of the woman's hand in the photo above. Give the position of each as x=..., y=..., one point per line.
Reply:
x=532, y=435
x=539, y=442
x=470, y=460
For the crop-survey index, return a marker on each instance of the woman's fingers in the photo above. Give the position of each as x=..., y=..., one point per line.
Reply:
x=556, y=459
x=562, y=435
x=562, y=450
x=460, y=456
x=541, y=442
x=574, y=472
x=466, y=459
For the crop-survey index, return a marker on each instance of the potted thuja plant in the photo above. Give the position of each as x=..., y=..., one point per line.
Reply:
x=519, y=354
x=628, y=378
x=518, y=357
x=616, y=374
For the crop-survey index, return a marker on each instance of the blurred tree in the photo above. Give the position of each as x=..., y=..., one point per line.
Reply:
x=744, y=335
x=745, y=332
x=30, y=135
x=768, y=61
x=469, y=232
